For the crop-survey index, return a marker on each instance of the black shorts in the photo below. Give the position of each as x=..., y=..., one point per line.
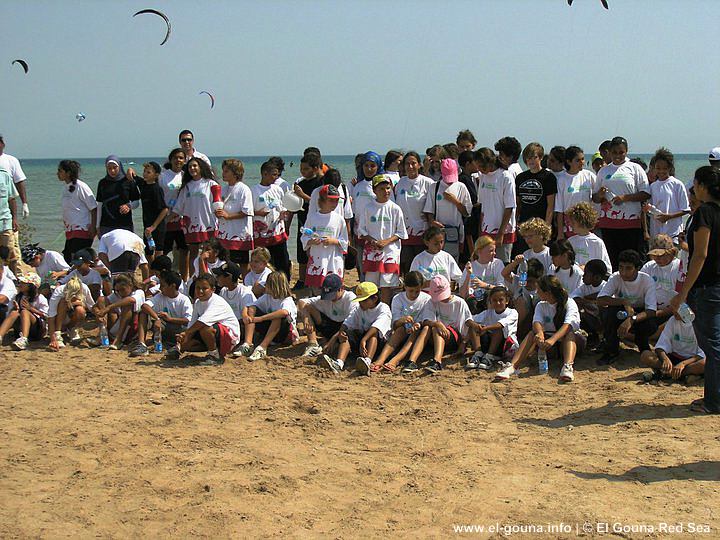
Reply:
x=451, y=343
x=176, y=238
x=262, y=328
x=159, y=239
x=327, y=327
x=126, y=263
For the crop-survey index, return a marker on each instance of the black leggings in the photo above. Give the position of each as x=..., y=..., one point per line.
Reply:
x=279, y=258
x=617, y=240
x=73, y=245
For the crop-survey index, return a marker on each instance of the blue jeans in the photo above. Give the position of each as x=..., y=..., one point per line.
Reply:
x=705, y=302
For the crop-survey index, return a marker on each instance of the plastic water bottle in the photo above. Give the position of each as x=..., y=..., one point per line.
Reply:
x=309, y=231
x=686, y=314
x=151, y=243
x=408, y=325
x=542, y=361
x=522, y=273
x=104, y=337
x=653, y=210
x=157, y=339
x=272, y=204
x=622, y=315
x=426, y=272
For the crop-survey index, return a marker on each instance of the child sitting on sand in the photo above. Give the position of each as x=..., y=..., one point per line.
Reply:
x=29, y=313
x=167, y=312
x=481, y=274
x=213, y=326
x=494, y=330
x=260, y=269
x=67, y=309
x=273, y=316
x=585, y=296
x=677, y=353
x=325, y=314
x=409, y=309
x=365, y=330
x=118, y=312
x=448, y=324
x=88, y=268
x=525, y=298
x=556, y=320
x=434, y=261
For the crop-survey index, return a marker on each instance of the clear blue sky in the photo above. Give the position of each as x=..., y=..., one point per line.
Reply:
x=352, y=75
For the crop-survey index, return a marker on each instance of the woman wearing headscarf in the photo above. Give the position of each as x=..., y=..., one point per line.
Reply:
x=117, y=195
x=371, y=164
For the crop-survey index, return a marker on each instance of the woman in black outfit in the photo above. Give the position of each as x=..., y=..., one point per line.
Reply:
x=116, y=193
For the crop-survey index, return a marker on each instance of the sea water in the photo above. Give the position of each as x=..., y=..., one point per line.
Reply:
x=45, y=190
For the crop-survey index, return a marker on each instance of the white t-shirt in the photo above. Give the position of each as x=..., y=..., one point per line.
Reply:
x=497, y=193
x=440, y=263
x=665, y=278
x=199, y=155
x=545, y=313
x=216, y=310
x=137, y=295
x=58, y=295
x=679, y=338
x=268, y=305
x=335, y=310
x=640, y=293
x=589, y=247
x=669, y=196
x=444, y=211
x=343, y=208
x=379, y=317
x=251, y=278
x=237, y=234
x=544, y=257
x=586, y=290
x=76, y=208
x=268, y=230
x=626, y=179
x=514, y=169
x=571, y=278
x=420, y=309
x=52, y=262
x=411, y=196
x=116, y=242
x=211, y=265
x=238, y=298
x=170, y=183
x=180, y=307
x=490, y=273
x=93, y=277
x=573, y=189
x=324, y=260
x=508, y=319
x=381, y=221
x=12, y=165
x=194, y=202
x=7, y=286
x=40, y=303
x=455, y=312
x=282, y=184
x=361, y=194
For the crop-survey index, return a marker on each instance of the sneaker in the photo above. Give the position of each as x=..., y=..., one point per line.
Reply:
x=566, y=373
x=139, y=350
x=474, y=361
x=329, y=363
x=114, y=347
x=59, y=339
x=300, y=285
x=243, y=350
x=20, y=344
x=410, y=367
x=212, y=360
x=258, y=354
x=172, y=355
x=486, y=362
x=434, y=366
x=505, y=373
x=362, y=365
x=313, y=350
x=74, y=336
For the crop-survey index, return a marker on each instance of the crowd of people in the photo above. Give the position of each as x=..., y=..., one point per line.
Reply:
x=459, y=250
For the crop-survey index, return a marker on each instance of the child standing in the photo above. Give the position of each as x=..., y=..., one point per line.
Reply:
x=434, y=261
x=79, y=209
x=497, y=327
x=154, y=209
x=235, y=216
x=365, y=330
x=324, y=237
x=381, y=228
x=311, y=179
x=668, y=196
x=273, y=315
x=586, y=244
x=575, y=185
x=268, y=225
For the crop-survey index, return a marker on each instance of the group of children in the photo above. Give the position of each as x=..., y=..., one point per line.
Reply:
x=458, y=250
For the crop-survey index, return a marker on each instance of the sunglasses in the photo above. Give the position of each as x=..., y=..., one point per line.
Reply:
x=185, y=140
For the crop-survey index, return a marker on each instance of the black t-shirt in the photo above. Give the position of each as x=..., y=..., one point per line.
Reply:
x=153, y=201
x=472, y=222
x=113, y=194
x=532, y=190
x=308, y=185
x=708, y=215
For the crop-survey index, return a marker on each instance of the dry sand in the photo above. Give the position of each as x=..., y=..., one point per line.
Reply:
x=95, y=444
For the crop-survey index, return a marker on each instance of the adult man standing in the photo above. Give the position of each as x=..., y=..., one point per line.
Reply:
x=12, y=166
x=8, y=213
x=187, y=143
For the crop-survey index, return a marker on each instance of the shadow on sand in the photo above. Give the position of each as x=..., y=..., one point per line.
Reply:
x=708, y=471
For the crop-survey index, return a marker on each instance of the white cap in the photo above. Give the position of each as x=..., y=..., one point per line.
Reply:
x=715, y=154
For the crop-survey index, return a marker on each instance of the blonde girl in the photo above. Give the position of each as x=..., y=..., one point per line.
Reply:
x=260, y=269
x=67, y=309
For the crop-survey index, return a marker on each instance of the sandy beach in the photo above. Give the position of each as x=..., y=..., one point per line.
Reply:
x=96, y=444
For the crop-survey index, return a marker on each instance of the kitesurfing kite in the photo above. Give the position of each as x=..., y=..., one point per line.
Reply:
x=23, y=63
x=79, y=117
x=212, y=98
x=159, y=14
x=604, y=3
